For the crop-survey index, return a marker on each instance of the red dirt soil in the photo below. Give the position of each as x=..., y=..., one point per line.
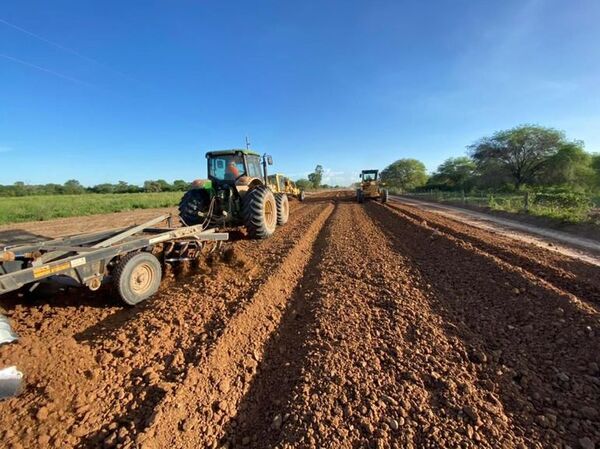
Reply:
x=353, y=326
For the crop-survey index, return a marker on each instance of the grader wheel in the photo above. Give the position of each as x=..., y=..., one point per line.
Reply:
x=283, y=208
x=384, y=196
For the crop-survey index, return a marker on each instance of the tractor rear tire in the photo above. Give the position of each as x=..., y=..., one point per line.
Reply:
x=136, y=277
x=283, y=208
x=259, y=211
x=384, y=196
x=193, y=202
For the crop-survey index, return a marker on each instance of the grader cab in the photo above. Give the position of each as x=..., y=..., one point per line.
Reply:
x=371, y=187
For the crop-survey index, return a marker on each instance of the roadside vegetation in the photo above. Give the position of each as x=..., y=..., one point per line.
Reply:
x=527, y=169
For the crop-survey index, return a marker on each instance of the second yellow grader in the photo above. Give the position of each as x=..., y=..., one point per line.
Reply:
x=282, y=184
x=371, y=187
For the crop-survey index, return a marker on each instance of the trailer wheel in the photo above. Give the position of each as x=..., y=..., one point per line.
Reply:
x=259, y=211
x=283, y=208
x=302, y=195
x=137, y=277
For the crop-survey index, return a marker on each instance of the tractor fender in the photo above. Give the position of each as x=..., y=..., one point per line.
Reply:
x=246, y=183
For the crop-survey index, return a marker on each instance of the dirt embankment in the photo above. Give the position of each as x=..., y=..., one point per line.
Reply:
x=354, y=326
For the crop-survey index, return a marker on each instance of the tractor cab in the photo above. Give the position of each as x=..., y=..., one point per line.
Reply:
x=230, y=165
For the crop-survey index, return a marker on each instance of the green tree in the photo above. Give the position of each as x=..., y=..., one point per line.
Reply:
x=523, y=152
x=406, y=174
x=316, y=177
x=122, y=187
x=151, y=186
x=455, y=174
x=73, y=187
x=19, y=189
x=570, y=166
x=104, y=188
x=179, y=185
x=164, y=185
x=304, y=184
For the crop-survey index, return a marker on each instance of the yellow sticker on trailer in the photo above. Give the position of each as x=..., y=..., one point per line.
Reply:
x=48, y=270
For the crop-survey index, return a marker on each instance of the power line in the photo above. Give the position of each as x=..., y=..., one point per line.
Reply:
x=43, y=69
x=66, y=49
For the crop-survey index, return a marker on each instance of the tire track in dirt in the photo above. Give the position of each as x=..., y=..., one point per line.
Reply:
x=361, y=361
x=537, y=345
x=195, y=413
x=95, y=372
x=570, y=275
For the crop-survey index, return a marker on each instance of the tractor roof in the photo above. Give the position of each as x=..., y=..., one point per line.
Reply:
x=370, y=171
x=232, y=151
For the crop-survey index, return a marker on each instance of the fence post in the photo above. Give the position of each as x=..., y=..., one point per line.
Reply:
x=526, y=201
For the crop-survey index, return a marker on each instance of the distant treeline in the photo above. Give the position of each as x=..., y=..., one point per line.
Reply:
x=74, y=187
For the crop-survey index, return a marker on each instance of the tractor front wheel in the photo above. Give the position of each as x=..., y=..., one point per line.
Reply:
x=283, y=208
x=259, y=211
x=192, y=204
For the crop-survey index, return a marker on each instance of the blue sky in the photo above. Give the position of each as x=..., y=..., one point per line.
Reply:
x=111, y=90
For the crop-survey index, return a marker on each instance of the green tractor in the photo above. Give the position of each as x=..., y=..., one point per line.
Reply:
x=236, y=193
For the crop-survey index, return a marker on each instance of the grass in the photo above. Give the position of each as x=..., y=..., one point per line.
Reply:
x=39, y=208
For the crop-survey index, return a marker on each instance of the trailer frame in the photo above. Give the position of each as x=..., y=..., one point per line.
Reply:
x=88, y=259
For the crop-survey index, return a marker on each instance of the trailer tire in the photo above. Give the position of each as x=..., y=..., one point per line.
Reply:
x=136, y=277
x=259, y=211
x=283, y=208
x=192, y=203
x=302, y=196
x=360, y=196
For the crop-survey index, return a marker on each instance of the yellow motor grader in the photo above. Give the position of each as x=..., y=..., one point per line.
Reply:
x=282, y=184
x=371, y=187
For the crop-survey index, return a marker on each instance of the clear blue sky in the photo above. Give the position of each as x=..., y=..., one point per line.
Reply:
x=132, y=90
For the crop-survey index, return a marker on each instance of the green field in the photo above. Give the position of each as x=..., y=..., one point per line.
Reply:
x=46, y=207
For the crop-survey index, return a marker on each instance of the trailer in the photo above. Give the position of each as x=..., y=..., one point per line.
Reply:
x=131, y=258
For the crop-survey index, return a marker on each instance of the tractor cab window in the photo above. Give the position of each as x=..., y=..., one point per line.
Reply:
x=226, y=167
x=372, y=176
x=253, y=166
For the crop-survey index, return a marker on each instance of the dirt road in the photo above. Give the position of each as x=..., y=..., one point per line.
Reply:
x=565, y=243
x=356, y=325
